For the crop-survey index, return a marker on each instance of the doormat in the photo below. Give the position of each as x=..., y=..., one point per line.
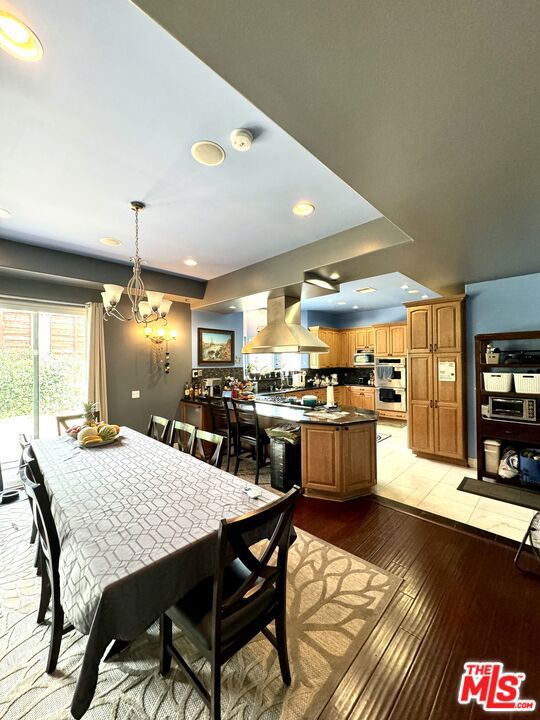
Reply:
x=505, y=493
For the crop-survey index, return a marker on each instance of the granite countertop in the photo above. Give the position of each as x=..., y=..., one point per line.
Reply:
x=345, y=415
x=311, y=389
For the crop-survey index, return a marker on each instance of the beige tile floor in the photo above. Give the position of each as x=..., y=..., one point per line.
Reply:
x=432, y=486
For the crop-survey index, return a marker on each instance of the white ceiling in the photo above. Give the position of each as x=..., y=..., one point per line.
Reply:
x=110, y=114
x=388, y=293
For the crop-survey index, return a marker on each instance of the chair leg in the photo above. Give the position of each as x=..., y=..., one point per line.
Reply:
x=281, y=639
x=522, y=545
x=33, y=533
x=165, y=639
x=237, y=463
x=229, y=441
x=37, y=559
x=57, y=630
x=215, y=692
x=45, y=597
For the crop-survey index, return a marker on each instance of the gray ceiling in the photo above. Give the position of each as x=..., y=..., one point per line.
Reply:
x=109, y=115
x=428, y=109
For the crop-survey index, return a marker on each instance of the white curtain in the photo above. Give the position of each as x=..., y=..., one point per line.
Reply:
x=97, y=371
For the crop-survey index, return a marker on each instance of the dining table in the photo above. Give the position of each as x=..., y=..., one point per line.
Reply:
x=137, y=522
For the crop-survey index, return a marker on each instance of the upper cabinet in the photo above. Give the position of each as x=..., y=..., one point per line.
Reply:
x=435, y=326
x=390, y=340
x=419, y=324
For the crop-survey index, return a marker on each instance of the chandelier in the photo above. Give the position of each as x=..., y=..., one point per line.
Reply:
x=142, y=311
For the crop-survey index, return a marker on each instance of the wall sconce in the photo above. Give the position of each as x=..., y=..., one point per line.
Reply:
x=158, y=336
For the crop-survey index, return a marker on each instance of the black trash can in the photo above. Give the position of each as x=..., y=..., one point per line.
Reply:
x=285, y=468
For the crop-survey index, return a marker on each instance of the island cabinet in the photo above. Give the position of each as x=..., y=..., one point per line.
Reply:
x=339, y=462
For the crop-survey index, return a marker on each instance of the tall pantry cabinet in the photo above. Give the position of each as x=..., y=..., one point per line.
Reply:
x=437, y=405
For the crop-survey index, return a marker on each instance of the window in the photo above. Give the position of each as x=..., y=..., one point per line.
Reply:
x=42, y=370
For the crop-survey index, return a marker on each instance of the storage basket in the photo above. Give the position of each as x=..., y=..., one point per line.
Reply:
x=527, y=383
x=497, y=382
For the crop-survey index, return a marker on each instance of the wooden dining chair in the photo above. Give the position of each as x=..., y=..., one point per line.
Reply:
x=50, y=555
x=65, y=422
x=225, y=611
x=182, y=436
x=159, y=428
x=249, y=432
x=28, y=458
x=220, y=415
x=208, y=447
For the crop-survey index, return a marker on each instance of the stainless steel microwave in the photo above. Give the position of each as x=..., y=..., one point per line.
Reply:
x=516, y=409
x=363, y=358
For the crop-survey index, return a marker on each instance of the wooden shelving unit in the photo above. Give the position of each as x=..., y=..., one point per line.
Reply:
x=516, y=434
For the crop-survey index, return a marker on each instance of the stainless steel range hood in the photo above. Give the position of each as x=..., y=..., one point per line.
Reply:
x=284, y=333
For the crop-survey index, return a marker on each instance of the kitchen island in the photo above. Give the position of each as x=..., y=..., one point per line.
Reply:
x=339, y=448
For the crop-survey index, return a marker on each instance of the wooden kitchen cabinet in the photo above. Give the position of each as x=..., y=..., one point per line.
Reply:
x=370, y=338
x=436, y=399
x=360, y=338
x=362, y=397
x=339, y=461
x=391, y=340
x=382, y=340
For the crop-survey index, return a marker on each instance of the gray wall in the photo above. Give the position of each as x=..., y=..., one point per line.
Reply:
x=130, y=367
x=128, y=354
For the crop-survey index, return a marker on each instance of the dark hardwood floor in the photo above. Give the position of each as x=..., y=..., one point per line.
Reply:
x=461, y=599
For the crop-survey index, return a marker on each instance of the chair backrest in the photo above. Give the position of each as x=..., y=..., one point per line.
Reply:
x=28, y=458
x=208, y=447
x=159, y=428
x=245, y=413
x=23, y=440
x=219, y=414
x=64, y=422
x=44, y=521
x=182, y=436
x=267, y=570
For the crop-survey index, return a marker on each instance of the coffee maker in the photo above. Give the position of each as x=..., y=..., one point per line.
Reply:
x=212, y=386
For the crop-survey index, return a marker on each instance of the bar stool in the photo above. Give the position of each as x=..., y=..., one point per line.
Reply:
x=222, y=425
x=533, y=536
x=249, y=433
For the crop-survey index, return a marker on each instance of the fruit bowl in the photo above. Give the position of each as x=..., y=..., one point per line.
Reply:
x=99, y=444
x=98, y=436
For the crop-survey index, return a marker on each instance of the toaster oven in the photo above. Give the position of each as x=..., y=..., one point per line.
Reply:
x=515, y=409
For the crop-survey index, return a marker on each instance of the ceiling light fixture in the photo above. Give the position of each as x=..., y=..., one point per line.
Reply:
x=303, y=208
x=365, y=290
x=404, y=287
x=111, y=242
x=142, y=311
x=18, y=40
x=425, y=297
x=334, y=276
x=413, y=292
x=208, y=153
x=320, y=282
x=341, y=302
x=355, y=307
x=232, y=307
x=190, y=261
x=4, y=214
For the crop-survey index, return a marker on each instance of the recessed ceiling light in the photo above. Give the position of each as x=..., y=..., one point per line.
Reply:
x=208, y=153
x=425, y=297
x=303, y=208
x=4, y=214
x=355, y=307
x=404, y=287
x=365, y=290
x=320, y=282
x=413, y=292
x=342, y=302
x=334, y=276
x=190, y=261
x=232, y=307
x=112, y=242
x=18, y=40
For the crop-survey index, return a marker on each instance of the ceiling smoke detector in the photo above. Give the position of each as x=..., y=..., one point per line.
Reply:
x=208, y=153
x=242, y=139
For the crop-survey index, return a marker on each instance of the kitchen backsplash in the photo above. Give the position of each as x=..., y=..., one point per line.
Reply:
x=221, y=373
